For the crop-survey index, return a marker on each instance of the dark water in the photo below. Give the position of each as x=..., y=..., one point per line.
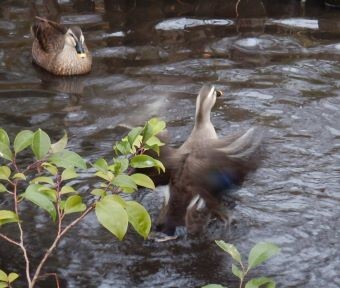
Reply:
x=278, y=64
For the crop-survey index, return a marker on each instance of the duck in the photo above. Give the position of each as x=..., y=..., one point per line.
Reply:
x=58, y=49
x=204, y=170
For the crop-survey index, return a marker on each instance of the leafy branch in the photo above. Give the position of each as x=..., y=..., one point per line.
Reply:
x=258, y=254
x=7, y=280
x=46, y=182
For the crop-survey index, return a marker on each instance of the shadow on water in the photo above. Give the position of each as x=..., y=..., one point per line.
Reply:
x=278, y=64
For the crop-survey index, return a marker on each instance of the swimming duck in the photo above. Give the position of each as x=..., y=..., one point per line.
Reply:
x=59, y=49
x=204, y=169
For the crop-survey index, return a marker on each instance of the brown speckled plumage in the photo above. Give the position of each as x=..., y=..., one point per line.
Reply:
x=51, y=52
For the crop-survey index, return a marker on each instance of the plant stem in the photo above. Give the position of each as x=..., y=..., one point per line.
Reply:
x=10, y=240
x=21, y=243
x=55, y=242
x=244, y=271
x=33, y=166
x=60, y=216
x=53, y=275
x=75, y=222
x=42, y=262
x=15, y=165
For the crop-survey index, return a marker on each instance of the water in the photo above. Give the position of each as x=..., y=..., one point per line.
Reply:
x=278, y=65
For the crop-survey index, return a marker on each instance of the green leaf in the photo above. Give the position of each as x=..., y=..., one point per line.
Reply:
x=3, y=285
x=125, y=183
x=118, y=199
x=98, y=192
x=112, y=216
x=236, y=271
x=41, y=144
x=12, y=277
x=108, y=176
x=133, y=134
x=230, y=249
x=154, y=148
x=261, y=281
x=145, y=161
x=260, y=253
x=50, y=193
x=68, y=174
x=3, y=188
x=50, y=168
x=101, y=165
x=4, y=137
x=67, y=189
x=123, y=147
x=152, y=128
x=5, y=172
x=3, y=276
x=67, y=159
x=143, y=180
x=22, y=140
x=7, y=216
x=74, y=204
x=120, y=165
x=154, y=141
x=213, y=286
x=5, y=152
x=42, y=179
x=32, y=194
x=147, y=132
x=60, y=145
x=139, y=218
x=19, y=176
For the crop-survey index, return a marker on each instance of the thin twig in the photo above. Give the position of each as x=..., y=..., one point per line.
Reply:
x=15, y=165
x=55, y=275
x=21, y=243
x=60, y=214
x=34, y=165
x=75, y=222
x=9, y=239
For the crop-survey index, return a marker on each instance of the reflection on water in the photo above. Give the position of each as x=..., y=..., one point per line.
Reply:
x=278, y=66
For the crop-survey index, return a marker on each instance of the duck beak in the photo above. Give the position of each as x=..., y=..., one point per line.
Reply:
x=80, y=50
x=81, y=55
x=219, y=93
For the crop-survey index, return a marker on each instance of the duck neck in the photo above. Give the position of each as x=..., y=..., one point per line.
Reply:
x=202, y=120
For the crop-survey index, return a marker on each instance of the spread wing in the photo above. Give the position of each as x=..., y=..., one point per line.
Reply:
x=51, y=35
x=220, y=165
x=226, y=162
x=207, y=173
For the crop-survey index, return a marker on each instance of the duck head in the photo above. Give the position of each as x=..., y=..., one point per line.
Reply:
x=74, y=38
x=205, y=101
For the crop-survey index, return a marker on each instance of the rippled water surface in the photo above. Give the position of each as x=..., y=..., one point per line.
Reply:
x=278, y=64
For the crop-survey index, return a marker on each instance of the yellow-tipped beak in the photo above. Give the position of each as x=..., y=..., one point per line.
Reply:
x=82, y=55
